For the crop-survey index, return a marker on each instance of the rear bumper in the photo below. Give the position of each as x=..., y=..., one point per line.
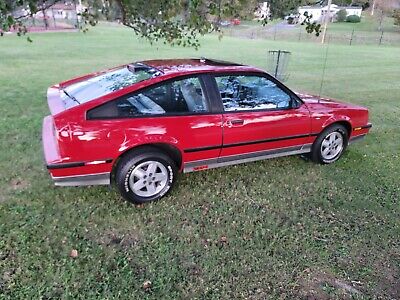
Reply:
x=63, y=173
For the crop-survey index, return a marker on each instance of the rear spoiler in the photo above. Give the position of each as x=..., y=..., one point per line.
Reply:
x=54, y=101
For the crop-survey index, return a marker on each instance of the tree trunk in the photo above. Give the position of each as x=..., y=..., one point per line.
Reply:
x=381, y=21
x=46, y=24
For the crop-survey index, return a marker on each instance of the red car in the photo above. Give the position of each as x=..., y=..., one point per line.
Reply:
x=140, y=124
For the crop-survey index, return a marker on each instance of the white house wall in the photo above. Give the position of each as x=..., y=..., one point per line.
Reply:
x=318, y=12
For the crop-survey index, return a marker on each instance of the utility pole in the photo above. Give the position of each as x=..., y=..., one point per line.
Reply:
x=373, y=7
x=326, y=20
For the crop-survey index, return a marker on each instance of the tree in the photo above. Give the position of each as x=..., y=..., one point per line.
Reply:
x=177, y=22
x=282, y=8
x=341, y=15
x=363, y=3
x=396, y=16
x=385, y=6
x=342, y=2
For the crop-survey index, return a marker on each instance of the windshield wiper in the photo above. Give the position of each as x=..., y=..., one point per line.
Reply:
x=71, y=97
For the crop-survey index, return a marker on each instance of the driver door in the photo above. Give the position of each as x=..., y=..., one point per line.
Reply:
x=260, y=114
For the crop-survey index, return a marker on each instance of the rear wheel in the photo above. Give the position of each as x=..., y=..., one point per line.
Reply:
x=330, y=144
x=145, y=175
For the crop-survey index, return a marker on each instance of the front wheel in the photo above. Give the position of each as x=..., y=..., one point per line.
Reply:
x=145, y=175
x=330, y=145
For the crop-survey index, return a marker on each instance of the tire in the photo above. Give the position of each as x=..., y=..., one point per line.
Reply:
x=330, y=144
x=145, y=175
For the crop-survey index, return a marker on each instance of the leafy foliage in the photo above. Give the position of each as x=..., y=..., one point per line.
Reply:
x=341, y=2
x=396, y=16
x=176, y=22
x=311, y=27
x=341, y=15
x=363, y=3
x=353, y=19
x=281, y=8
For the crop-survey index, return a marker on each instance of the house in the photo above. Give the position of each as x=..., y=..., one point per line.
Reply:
x=63, y=11
x=66, y=10
x=319, y=13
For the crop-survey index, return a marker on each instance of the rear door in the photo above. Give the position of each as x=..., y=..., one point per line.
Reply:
x=261, y=117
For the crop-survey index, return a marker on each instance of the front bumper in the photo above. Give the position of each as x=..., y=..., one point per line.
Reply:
x=359, y=133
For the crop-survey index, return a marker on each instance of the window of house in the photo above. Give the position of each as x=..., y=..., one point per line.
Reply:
x=249, y=92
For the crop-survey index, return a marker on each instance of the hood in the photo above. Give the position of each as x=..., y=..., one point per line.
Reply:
x=324, y=101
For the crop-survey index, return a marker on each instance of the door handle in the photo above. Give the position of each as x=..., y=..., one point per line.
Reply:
x=232, y=123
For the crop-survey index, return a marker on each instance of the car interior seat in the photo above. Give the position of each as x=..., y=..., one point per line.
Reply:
x=194, y=101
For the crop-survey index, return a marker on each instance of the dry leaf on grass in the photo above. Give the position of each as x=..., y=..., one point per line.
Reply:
x=73, y=253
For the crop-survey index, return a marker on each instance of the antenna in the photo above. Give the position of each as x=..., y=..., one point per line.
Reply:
x=323, y=73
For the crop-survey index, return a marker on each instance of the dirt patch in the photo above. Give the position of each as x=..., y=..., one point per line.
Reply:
x=388, y=280
x=322, y=285
x=18, y=184
x=8, y=267
x=14, y=185
x=117, y=239
x=191, y=268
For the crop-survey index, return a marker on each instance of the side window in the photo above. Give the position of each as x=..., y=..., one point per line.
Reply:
x=242, y=92
x=180, y=96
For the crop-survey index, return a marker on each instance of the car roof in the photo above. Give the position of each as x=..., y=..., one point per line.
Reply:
x=196, y=65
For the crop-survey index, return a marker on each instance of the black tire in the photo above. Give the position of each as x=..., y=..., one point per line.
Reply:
x=317, y=149
x=133, y=160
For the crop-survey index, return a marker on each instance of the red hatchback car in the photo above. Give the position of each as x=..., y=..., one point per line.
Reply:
x=142, y=123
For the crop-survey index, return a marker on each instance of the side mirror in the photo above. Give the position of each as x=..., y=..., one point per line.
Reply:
x=295, y=103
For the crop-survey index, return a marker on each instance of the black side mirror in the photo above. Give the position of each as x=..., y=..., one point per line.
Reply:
x=295, y=103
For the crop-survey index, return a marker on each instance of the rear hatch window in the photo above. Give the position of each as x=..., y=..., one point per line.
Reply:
x=106, y=83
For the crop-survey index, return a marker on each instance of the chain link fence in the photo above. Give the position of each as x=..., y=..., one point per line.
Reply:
x=298, y=33
x=41, y=24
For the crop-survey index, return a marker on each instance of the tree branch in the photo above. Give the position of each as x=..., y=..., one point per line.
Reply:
x=39, y=9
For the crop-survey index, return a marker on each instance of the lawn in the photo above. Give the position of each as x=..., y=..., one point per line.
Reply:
x=278, y=229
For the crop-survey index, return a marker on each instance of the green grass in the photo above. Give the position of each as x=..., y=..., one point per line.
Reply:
x=277, y=229
x=368, y=24
x=368, y=31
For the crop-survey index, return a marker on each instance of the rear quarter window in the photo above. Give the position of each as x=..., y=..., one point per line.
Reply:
x=182, y=96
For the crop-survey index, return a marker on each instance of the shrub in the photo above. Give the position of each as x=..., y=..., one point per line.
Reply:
x=341, y=15
x=396, y=16
x=353, y=19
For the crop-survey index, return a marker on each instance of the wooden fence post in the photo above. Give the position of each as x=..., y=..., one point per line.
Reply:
x=381, y=38
x=352, y=36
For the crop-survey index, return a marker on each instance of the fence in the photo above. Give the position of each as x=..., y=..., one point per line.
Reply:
x=298, y=33
x=51, y=23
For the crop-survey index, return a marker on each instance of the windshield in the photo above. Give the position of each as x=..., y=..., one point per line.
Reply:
x=106, y=83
